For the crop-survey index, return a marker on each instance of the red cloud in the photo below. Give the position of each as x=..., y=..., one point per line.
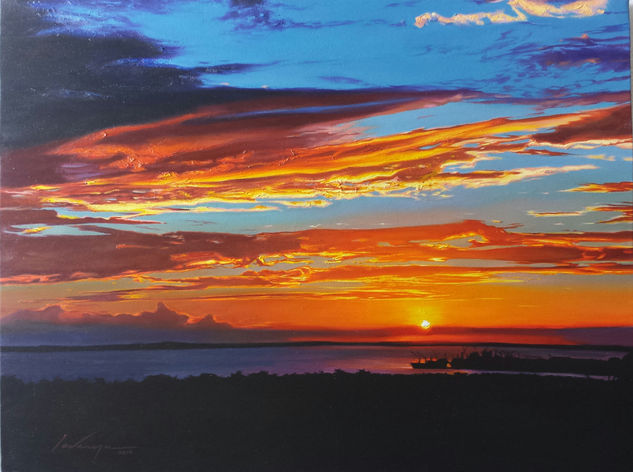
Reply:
x=605, y=126
x=116, y=253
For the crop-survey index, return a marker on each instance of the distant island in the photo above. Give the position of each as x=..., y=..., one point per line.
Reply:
x=491, y=360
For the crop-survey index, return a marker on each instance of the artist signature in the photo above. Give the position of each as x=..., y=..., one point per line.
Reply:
x=88, y=443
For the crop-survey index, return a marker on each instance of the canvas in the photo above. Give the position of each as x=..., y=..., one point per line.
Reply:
x=254, y=235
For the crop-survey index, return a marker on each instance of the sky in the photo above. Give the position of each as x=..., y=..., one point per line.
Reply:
x=254, y=170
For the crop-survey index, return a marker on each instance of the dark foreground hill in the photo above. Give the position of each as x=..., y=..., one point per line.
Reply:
x=319, y=422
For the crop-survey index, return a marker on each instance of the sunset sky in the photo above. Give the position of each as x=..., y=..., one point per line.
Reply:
x=252, y=170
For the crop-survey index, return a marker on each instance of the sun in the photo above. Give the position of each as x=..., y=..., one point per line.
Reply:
x=425, y=324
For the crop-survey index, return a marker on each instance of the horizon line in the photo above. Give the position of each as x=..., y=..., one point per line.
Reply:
x=166, y=345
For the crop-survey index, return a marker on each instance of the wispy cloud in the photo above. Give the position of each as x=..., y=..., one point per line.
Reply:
x=552, y=214
x=607, y=187
x=562, y=98
x=626, y=210
x=10, y=220
x=520, y=11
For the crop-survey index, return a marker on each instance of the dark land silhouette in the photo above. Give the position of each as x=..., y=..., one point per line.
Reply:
x=320, y=422
x=491, y=360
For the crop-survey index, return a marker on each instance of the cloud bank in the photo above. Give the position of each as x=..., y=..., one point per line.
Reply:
x=53, y=325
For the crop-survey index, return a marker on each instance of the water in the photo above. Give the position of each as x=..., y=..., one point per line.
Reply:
x=123, y=365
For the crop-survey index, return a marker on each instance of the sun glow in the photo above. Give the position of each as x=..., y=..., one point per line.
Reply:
x=425, y=324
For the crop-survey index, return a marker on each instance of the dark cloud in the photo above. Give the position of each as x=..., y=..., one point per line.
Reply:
x=340, y=79
x=607, y=58
x=409, y=3
x=246, y=3
x=258, y=14
x=54, y=325
x=222, y=69
x=57, y=84
x=162, y=317
x=50, y=314
x=249, y=14
x=610, y=54
x=608, y=29
x=603, y=125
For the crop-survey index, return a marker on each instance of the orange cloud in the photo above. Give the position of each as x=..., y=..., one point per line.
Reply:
x=115, y=253
x=607, y=187
x=381, y=281
x=196, y=161
x=626, y=210
x=520, y=9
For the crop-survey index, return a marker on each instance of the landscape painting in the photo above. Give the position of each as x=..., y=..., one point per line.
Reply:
x=261, y=235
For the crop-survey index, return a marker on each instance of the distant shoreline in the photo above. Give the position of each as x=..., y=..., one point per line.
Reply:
x=185, y=346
